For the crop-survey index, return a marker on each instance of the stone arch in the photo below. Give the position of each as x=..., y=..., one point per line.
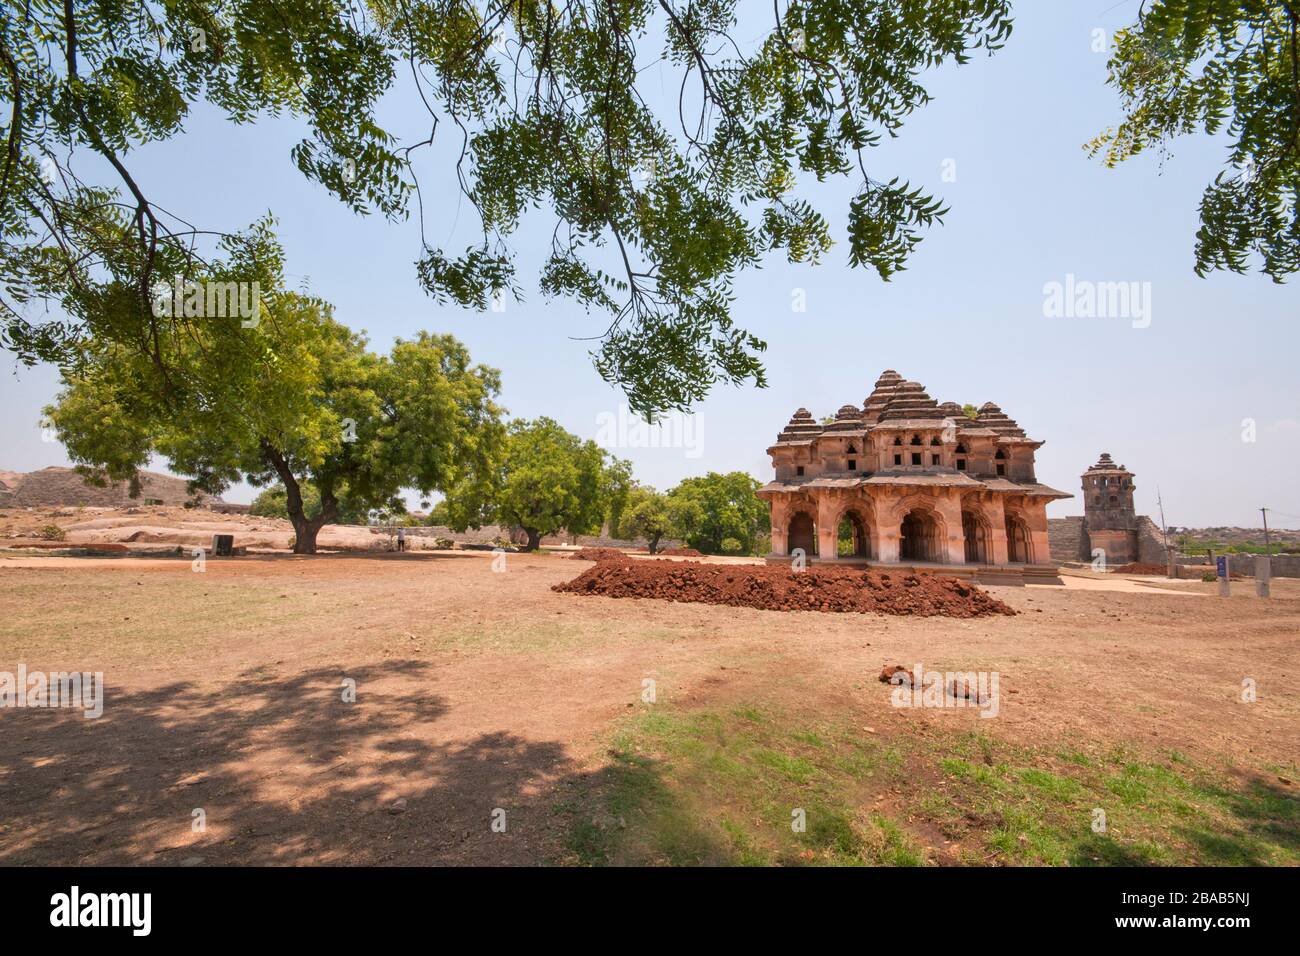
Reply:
x=863, y=523
x=1020, y=543
x=921, y=534
x=977, y=534
x=801, y=532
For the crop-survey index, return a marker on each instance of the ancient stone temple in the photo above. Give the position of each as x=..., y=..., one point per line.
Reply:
x=904, y=479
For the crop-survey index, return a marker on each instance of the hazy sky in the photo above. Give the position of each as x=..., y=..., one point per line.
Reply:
x=1167, y=392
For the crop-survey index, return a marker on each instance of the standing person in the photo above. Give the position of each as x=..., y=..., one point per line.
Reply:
x=401, y=539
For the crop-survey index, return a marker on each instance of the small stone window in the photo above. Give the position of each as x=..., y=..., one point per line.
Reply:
x=935, y=440
x=961, y=449
x=853, y=464
x=916, y=439
x=961, y=464
x=898, y=439
x=1001, y=455
x=852, y=450
x=916, y=457
x=898, y=459
x=1002, y=469
x=1114, y=499
x=934, y=459
x=799, y=470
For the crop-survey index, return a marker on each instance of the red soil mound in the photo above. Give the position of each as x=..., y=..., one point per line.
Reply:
x=598, y=554
x=782, y=589
x=682, y=553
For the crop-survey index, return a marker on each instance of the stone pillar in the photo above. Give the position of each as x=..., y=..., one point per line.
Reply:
x=888, y=539
x=780, y=526
x=827, y=532
x=1036, y=518
x=953, y=549
x=997, y=544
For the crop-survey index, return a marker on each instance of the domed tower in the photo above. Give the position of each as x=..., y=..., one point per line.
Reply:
x=1109, y=520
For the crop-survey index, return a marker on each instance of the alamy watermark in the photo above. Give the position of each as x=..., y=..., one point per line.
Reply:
x=209, y=300
x=922, y=688
x=1085, y=299
x=626, y=429
x=70, y=689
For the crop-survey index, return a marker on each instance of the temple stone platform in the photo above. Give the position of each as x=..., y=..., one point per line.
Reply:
x=1013, y=575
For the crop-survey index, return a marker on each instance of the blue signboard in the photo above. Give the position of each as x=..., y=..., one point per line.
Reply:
x=1221, y=565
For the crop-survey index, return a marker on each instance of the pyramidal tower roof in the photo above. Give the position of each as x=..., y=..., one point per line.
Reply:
x=848, y=418
x=886, y=385
x=802, y=427
x=995, y=419
x=1106, y=463
x=954, y=411
x=910, y=402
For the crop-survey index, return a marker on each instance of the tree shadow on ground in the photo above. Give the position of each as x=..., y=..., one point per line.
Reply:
x=1264, y=814
x=284, y=771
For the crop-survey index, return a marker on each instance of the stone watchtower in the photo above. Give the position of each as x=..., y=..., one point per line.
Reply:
x=1109, y=521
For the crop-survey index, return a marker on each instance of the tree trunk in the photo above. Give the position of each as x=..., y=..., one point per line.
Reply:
x=534, y=539
x=654, y=544
x=305, y=529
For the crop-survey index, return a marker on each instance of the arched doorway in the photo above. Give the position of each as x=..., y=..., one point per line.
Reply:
x=851, y=536
x=919, y=537
x=975, y=530
x=802, y=534
x=1020, y=549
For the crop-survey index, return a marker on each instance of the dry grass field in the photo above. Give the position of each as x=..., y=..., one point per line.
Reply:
x=499, y=722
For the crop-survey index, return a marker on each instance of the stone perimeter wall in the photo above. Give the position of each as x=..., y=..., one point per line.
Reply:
x=1068, y=540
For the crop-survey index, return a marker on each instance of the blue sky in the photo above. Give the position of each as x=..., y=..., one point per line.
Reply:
x=1027, y=208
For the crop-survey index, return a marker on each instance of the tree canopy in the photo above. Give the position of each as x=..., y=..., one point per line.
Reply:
x=1224, y=67
x=547, y=479
x=708, y=510
x=646, y=516
x=655, y=206
x=293, y=395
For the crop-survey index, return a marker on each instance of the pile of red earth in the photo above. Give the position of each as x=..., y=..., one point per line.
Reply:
x=779, y=588
x=599, y=554
x=682, y=553
x=1140, y=568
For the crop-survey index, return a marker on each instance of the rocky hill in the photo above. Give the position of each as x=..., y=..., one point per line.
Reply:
x=62, y=487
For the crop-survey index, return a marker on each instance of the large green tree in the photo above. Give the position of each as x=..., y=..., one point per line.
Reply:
x=547, y=480
x=706, y=511
x=646, y=516
x=1229, y=67
x=550, y=107
x=294, y=397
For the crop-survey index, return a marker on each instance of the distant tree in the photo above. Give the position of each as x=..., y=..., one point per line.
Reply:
x=616, y=487
x=551, y=110
x=1222, y=68
x=273, y=502
x=547, y=479
x=646, y=516
x=295, y=397
x=970, y=411
x=439, y=515
x=706, y=511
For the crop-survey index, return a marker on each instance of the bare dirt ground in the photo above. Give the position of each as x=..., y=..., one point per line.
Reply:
x=481, y=691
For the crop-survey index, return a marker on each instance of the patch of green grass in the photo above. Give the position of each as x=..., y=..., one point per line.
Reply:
x=758, y=787
x=1118, y=810
x=746, y=787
